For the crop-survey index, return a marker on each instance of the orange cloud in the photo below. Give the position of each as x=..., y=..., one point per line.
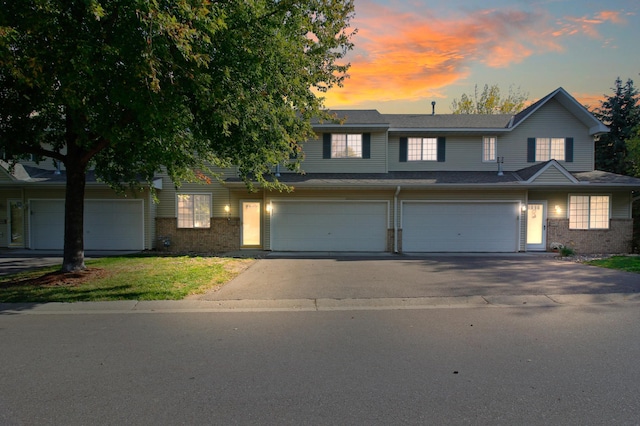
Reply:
x=415, y=55
x=411, y=56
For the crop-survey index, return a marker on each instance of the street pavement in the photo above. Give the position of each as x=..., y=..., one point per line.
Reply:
x=457, y=340
x=561, y=365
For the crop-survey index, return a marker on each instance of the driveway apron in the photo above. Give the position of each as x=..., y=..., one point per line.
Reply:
x=349, y=277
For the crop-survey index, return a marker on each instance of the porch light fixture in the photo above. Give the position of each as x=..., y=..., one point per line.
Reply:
x=524, y=207
x=269, y=208
x=227, y=209
x=558, y=209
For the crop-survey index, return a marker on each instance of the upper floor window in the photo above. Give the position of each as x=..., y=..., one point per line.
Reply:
x=194, y=210
x=489, y=148
x=545, y=149
x=589, y=212
x=422, y=149
x=346, y=146
x=549, y=148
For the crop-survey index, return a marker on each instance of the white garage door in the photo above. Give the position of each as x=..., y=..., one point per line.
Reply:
x=108, y=224
x=329, y=226
x=459, y=227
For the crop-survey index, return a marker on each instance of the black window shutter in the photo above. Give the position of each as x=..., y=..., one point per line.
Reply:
x=403, y=149
x=568, y=150
x=326, y=145
x=531, y=150
x=442, y=141
x=366, y=145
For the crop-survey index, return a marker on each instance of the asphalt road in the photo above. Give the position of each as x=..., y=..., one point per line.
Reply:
x=565, y=365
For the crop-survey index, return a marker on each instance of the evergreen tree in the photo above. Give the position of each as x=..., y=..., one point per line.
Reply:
x=621, y=112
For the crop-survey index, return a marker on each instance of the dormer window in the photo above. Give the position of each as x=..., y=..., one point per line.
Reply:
x=346, y=146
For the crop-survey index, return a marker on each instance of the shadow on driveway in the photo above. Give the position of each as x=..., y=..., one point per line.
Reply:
x=345, y=277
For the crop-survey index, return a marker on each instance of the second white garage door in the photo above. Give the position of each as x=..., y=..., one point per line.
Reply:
x=459, y=227
x=329, y=226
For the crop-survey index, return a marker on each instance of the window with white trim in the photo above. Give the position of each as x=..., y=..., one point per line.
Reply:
x=589, y=211
x=550, y=148
x=489, y=149
x=422, y=149
x=194, y=210
x=346, y=146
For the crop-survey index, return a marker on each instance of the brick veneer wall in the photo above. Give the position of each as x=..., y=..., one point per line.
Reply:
x=616, y=239
x=223, y=235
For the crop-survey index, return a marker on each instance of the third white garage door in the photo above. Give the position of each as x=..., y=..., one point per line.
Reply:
x=329, y=226
x=459, y=227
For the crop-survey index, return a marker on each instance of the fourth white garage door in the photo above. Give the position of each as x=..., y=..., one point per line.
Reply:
x=329, y=226
x=459, y=227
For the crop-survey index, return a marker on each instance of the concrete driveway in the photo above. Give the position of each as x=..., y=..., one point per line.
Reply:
x=391, y=276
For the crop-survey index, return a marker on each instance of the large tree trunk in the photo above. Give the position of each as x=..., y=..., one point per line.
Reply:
x=73, y=259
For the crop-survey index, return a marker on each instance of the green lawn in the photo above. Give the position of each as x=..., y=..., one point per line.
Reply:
x=123, y=278
x=622, y=263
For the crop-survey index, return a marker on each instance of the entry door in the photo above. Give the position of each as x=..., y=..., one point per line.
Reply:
x=536, y=225
x=16, y=223
x=251, y=212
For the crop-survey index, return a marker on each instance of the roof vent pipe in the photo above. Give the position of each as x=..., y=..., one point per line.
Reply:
x=500, y=161
x=433, y=107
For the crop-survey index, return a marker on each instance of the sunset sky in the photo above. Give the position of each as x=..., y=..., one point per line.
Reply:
x=411, y=52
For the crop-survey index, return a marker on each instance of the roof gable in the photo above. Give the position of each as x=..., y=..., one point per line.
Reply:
x=568, y=102
x=551, y=172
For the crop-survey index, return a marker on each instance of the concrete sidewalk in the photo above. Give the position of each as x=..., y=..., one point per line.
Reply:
x=317, y=305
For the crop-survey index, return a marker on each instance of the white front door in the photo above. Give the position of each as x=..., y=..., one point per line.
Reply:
x=536, y=225
x=251, y=223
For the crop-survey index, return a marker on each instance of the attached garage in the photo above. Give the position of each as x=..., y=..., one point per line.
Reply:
x=329, y=226
x=460, y=226
x=108, y=224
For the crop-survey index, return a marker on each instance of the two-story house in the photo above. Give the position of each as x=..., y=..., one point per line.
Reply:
x=374, y=183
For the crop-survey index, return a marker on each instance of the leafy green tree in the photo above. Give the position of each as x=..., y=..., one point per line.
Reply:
x=490, y=101
x=132, y=87
x=621, y=112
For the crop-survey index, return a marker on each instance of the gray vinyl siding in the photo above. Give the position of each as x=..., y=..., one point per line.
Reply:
x=552, y=175
x=620, y=201
x=314, y=163
x=464, y=152
x=221, y=196
x=551, y=120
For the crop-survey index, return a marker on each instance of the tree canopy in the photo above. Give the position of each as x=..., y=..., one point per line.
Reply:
x=132, y=87
x=621, y=112
x=490, y=101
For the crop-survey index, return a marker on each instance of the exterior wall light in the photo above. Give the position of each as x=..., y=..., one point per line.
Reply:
x=524, y=207
x=558, y=209
x=227, y=209
x=269, y=208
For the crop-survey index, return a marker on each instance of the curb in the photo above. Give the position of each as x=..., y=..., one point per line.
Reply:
x=317, y=305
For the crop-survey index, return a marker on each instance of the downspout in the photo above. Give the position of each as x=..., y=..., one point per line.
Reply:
x=395, y=220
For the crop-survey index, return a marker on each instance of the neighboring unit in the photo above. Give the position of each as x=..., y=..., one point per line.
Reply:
x=374, y=183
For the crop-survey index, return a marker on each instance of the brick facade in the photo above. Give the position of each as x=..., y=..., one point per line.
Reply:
x=222, y=236
x=616, y=239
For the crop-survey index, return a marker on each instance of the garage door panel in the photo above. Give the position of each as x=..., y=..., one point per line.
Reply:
x=459, y=227
x=108, y=225
x=329, y=226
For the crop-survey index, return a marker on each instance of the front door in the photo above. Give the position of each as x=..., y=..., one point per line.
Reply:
x=251, y=223
x=16, y=223
x=536, y=225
